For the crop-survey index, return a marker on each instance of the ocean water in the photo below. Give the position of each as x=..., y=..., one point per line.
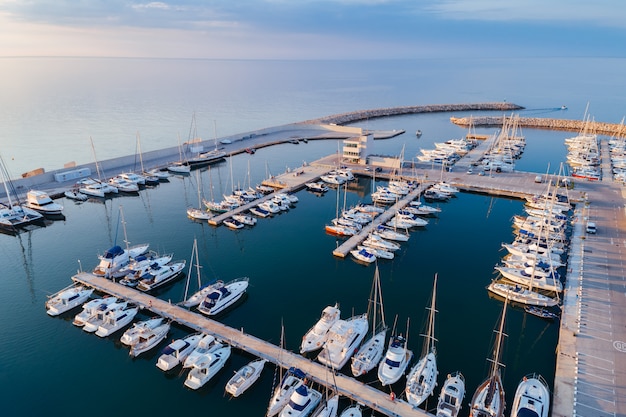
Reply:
x=52, y=107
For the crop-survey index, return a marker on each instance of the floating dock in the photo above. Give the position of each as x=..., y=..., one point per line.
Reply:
x=343, y=384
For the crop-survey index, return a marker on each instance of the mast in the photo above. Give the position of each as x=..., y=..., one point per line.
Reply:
x=495, y=362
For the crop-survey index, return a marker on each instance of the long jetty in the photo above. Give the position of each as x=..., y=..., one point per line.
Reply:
x=237, y=338
x=611, y=129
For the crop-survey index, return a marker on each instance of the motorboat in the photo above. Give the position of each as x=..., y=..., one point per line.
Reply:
x=422, y=378
x=91, y=308
x=232, y=223
x=161, y=275
x=124, y=185
x=488, y=399
x=74, y=194
x=91, y=325
x=138, y=268
x=375, y=241
x=115, y=320
x=245, y=377
x=395, y=362
x=345, y=173
x=378, y=253
x=445, y=188
x=451, y=396
x=424, y=209
x=270, y=206
x=207, y=344
x=302, y=402
x=14, y=216
x=389, y=233
x=162, y=175
x=333, y=179
x=223, y=296
x=176, y=352
x=95, y=188
x=149, y=339
x=541, y=312
x=132, y=335
x=179, y=168
x=132, y=177
x=532, y=397
x=40, y=201
x=258, y=211
x=205, y=369
x=316, y=187
x=363, y=255
x=244, y=219
x=116, y=258
x=288, y=384
x=344, y=337
x=67, y=299
x=316, y=336
x=197, y=297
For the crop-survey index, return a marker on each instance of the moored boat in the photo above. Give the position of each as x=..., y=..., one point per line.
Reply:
x=67, y=299
x=316, y=336
x=149, y=339
x=451, y=396
x=532, y=397
x=207, y=367
x=115, y=320
x=223, y=296
x=176, y=352
x=245, y=377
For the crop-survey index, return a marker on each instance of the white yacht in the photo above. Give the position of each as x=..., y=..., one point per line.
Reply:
x=67, y=299
x=363, y=255
x=95, y=188
x=132, y=335
x=161, y=275
x=302, y=402
x=138, y=268
x=115, y=320
x=532, y=276
x=197, y=297
x=389, y=233
x=149, y=338
x=245, y=377
x=396, y=360
x=91, y=308
x=131, y=176
x=451, y=396
x=245, y=219
x=316, y=336
x=378, y=242
x=378, y=253
x=521, y=294
x=116, y=258
x=223, y=297
x=207, y=344
x=176, y=352
x=124, y=185
x=40, y=201
x=344, y=337
x=288, y=384
x=91, y=325
x=207, y=367
x=532, y=397
x=316, y=187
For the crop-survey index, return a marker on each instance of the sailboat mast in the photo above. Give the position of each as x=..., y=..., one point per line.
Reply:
x=498, y=351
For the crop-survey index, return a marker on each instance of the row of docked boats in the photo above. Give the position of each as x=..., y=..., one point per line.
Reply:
x=529, y=273
x=448, y=152
x=583, y=153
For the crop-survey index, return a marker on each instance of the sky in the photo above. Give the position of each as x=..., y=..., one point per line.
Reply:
x=313, y=29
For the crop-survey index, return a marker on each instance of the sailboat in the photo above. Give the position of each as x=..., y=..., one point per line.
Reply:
x=203, y=290
x=179, y=167
x=198, y=213
x=14, y=215
x=203, y=158
x=371, y=352
x=150, y=178
x=422, y=378
x=488, y=400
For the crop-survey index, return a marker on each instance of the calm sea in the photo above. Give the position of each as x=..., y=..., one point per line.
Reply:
x=50, y=108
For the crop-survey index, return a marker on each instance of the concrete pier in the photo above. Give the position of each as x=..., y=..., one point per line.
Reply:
x=237, y=338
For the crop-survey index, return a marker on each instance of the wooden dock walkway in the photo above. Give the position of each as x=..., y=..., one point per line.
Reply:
x=344, y=249
x=344, y=385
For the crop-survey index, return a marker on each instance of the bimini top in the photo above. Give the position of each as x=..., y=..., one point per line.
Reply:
x=113, y=252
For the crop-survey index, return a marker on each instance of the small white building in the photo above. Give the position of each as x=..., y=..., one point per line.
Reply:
x=354, y=149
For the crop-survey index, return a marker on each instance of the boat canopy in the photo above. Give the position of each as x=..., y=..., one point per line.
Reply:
x=113, y=252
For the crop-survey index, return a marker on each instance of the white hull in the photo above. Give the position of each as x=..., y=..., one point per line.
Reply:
x=422, y=380
x=67, y=300
x=115, y=322
x=203, y=371
x=451, y=396
x=176, y=352
x=149, y=340
x=316, y=336
x=369, y=355
x=245, y=377
x=532, y=397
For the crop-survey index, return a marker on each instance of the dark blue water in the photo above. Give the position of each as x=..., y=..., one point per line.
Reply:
x=52, y=367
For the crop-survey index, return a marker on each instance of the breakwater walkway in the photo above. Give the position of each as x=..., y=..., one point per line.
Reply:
x=237, y=338
x=359, y=115
x=610, y=129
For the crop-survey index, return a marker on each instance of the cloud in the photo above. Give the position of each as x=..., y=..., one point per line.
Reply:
x=152, y=5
